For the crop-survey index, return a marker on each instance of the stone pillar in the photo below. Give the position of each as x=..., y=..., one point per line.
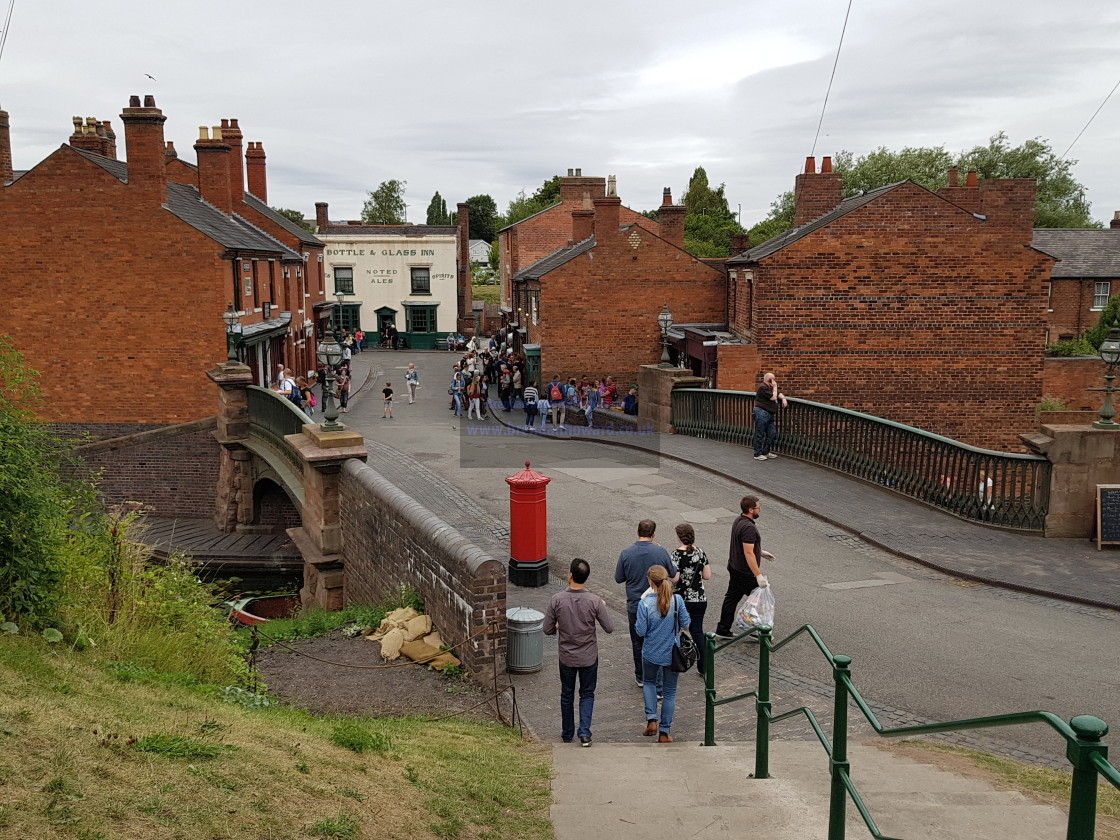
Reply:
x=655, y=394
x=235, y=480
x=320, y=537
x=1081, y=457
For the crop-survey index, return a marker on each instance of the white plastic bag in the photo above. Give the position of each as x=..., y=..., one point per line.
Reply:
x=758, y=610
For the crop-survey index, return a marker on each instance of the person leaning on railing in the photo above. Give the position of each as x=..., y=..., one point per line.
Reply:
x=765, y=407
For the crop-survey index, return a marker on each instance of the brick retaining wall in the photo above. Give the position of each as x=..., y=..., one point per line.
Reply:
x=390, y=540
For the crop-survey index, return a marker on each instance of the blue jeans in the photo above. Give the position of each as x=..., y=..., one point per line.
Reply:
x=696, y=610
x=588, y=676
x=765, y=431
x=651, y=676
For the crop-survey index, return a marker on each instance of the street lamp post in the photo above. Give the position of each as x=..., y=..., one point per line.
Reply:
x=1110, y=353
x=329, y=354
x=233, y=329
x=664, y=321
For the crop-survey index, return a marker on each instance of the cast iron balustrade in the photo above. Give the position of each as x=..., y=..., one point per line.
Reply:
x=1084, y=734
x=936, y=470
x=272, y=416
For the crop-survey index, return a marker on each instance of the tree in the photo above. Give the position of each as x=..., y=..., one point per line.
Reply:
x=437, y=211
x=709, y=223
x=779, y=220
x=297, y=217
x=483, y=217
x=495, y=256
x=385, y=205
x=1109, y=315
x=524, y=206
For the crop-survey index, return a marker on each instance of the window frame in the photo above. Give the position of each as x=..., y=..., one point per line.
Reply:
x=431, y=314
x=334, y=275
x=427, y=269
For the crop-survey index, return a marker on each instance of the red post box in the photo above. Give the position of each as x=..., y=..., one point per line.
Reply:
x=528, y=528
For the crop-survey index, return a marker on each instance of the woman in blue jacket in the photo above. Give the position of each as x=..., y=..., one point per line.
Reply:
x=661, y=614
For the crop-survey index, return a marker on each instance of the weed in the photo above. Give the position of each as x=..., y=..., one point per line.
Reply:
x=302, y=767
x=1052, y=404
x=243, y=698
x=209, y=727
x=450, y=670
x=456, y=689
x=352, y=735
x=352, y=794
x=176, y=746
x=341, y=827
x=413, y=776
x=130, y=672
x=213, y=777
x=63, y=788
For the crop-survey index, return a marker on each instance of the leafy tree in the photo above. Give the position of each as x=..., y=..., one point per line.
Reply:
x=548, y=193
x=524, y=206
x=385, y=205
x=709, y=223
x=495, y=256
x=483, y=217
x=779, y=220
x=1109, y=315
x=437, y=211
x=651, y=214
x=297, y=217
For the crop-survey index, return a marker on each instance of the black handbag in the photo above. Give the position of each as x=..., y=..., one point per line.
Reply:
x=684, y=651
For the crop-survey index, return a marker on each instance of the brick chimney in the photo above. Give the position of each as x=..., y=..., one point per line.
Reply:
x=463, y=285
x=815, y=193
x=322, y=220
x=966, y=197
x=606, y=217
x=1115, y=223
x=255, y=171
x=6, y=171
x=143, y=138
x=86, y=136
x=1008, y=206
x=231, y=133
x=213, y=168
x=740, y=243
x=109, y=140
x=576, y=184
x=670, y=217
x=169, y=150
x=583, y=220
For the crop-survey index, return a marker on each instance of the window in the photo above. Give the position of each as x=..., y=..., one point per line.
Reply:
x=421, y=281
x=1100, y=294
x=421, y=319
x=343, y=280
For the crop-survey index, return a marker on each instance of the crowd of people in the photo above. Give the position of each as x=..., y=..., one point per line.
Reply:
x=665, y=595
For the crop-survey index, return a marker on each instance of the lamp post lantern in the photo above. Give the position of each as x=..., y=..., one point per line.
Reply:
x=329, y=354
x=1110, y=353
x=664, y=321
x=233, y=329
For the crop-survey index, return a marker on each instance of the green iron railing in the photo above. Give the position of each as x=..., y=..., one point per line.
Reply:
x=1083, y=734
x=936, y=470
x=271, y=417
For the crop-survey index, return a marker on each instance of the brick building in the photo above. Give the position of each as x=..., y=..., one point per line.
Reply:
x=1086, y=275
x=533, y=238
x=117, y=273
x=591, y=307
x=928, y=309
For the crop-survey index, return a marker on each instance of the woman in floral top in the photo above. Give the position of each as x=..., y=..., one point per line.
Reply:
x=693, y=565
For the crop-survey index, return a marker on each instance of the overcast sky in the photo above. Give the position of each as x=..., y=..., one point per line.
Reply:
x=492, y=97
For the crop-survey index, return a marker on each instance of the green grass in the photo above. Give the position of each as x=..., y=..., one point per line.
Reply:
x=353, y=736
x=488, y=292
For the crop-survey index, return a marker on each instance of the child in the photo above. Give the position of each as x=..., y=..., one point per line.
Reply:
x=543, y=406
x=388, y=392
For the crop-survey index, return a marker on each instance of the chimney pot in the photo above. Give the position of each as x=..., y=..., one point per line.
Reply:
x=579, y=173
x=233, y=123
x=225, y=123
x=217, y=133
x=953, y=178
x=203, y=132
x=571, y=172
x=6, y=172
x=133, y=102
x=321, y=217
x=149, y=101
x=970, y=179
x=1115, y=223
x=77, y=124
x=826, y=165
x=666, y=197
x=810, y=165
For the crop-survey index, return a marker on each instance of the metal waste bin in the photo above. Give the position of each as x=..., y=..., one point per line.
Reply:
x=525, y=648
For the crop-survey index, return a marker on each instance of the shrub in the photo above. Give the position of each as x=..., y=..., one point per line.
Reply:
x=1073, y=347
x=351, y=735
x=1052, y=404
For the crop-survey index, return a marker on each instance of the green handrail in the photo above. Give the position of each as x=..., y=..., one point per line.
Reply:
x=1083, y=734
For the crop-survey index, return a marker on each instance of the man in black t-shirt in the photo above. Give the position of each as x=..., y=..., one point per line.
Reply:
x=766, y=401
x=743, y=563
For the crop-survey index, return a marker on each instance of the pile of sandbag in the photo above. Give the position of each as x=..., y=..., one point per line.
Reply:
x=404, y=632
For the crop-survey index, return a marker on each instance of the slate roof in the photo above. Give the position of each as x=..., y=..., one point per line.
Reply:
x=555, y=260
x=305, y=236
x=184, y=202
x=1081, y=252
x=846, y=206
x=390, y=230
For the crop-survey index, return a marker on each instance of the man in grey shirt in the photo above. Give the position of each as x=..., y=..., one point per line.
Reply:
x=573, y=613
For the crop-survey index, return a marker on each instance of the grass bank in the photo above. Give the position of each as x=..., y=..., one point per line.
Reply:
x=95, y=751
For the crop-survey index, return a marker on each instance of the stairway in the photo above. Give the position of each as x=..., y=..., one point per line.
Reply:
x=684, y=791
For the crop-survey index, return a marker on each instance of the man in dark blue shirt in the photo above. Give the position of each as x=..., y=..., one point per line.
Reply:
x=633, y=564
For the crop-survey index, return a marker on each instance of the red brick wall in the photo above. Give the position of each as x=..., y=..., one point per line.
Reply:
x=911, y=309
x=118, y=301
x=738, y=368
x=1067, y=378
x=1072, y=303
x=599, y=311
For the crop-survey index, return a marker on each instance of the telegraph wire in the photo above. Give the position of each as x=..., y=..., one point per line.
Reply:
x=835, y=62
x=1082, y=131
x=7, y=26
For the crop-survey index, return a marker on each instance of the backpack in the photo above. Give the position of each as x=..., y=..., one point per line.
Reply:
x=294, y=394
x=555, y=393
x=311, y=398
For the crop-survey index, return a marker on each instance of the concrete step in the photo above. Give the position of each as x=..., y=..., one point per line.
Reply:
x=646, y=791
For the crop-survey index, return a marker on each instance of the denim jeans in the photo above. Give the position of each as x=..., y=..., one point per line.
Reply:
x=651, y=676
x=588, y=676
x=696, y=610
x=764, y=431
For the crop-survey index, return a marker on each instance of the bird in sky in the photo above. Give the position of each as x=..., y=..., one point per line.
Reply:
x=150, y=76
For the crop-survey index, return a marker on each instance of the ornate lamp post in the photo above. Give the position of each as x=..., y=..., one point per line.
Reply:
x=233, y=329
x=1110, y=352
x=664, y=321
x=329, y=354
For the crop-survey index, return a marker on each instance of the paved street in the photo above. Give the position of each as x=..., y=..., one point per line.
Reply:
x=926, y=644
